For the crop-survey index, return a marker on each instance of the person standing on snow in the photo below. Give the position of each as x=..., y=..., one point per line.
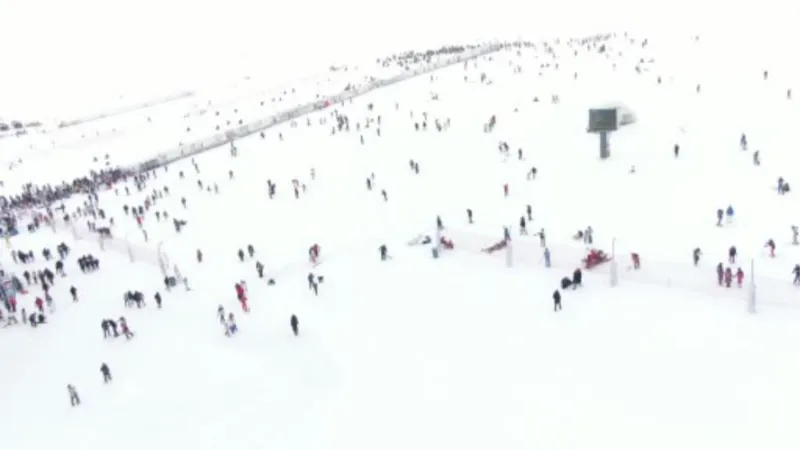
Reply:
x=74, y=400
x=295, y=324
x=739, y=276
x=106, y=372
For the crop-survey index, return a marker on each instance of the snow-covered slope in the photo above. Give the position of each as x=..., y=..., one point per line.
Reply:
x=459, y=351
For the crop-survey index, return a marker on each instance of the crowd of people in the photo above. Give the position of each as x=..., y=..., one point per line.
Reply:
x=145, y=194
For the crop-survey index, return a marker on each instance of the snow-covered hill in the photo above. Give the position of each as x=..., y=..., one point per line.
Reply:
x=458, y=351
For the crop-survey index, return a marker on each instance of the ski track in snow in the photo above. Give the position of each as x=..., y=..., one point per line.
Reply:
x=460, y=351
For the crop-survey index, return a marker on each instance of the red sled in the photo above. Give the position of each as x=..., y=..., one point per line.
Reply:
x=595, y=258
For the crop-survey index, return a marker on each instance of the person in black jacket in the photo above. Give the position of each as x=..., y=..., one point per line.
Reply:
x=577, y=277
x=295, y=324
x=556, y=300
x=106, y=372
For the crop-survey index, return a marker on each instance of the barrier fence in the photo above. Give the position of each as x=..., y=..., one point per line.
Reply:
x=155, y=256
x=526, y=251
x=225, y=137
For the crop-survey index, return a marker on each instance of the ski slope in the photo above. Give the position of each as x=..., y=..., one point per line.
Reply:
x=460, y=351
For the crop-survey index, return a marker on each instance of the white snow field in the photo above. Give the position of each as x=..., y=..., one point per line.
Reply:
x=457, y=352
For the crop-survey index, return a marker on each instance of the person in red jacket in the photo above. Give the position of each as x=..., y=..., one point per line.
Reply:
x=739, y=276
x=240, y=294
x=39, y=304
x=728, y=277
x=635, y=260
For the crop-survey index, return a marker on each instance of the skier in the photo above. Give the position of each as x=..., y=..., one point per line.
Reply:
x=547, y=257
x=199, y=256
x=720, y=214
x=739, y=276
x=796, y=272
x=221, y=314
x=295, y=324
x=260, y=269
x=505, y=190
x=795, y=232
x=312, y=283
x=720, y=274
x=588, y=235
x=676, y=150
x=732, y=254
x=74, y=400
x=74, y=292
x=577, y=278
x=729, y=214
x=529, y=212
x=636, y=261
x=125, y=330
x=241, y=255
x=384, y=251
x=469, y=215
x=158, y=299
x=728, y=277
x=542, y=238
x=522, y=230
x=251, y=250
x=757, y=158
x=556, y=301
x=240, y=294
x=696, y=256
x=106, y=372
x=313, y=254
x=771, y=246
x=231, y=328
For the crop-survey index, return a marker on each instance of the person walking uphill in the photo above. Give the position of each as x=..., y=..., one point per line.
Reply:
x=106, y=372
x=74, y=400
x=295, y=324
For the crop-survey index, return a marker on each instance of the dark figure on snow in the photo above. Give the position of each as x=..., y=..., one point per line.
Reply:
x=158, y=299
x=566, y=282
x=260, y=269
x=384, y=252
x=312, y=283
x=295, y=324
x=696, y=253
x=469, y=215
x=74, y=400
x=241, y=255
x=796, y=272
x=74, y=292
x=251, y=250
x=106, y=372
x=577, y=278
x=556, y=300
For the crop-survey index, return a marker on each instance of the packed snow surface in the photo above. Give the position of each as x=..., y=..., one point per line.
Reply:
x=459, y=351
